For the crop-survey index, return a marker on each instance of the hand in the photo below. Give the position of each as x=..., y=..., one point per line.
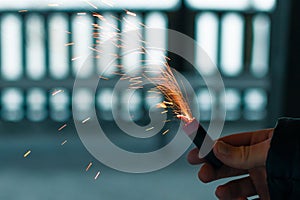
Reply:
x=243, y=153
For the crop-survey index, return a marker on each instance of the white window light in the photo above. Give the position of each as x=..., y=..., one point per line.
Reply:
x=35, y=49
x=207, y=38
x=82, y=59
x=261, y=45
x=89, y=4
x=58, y=44
x=232, y=44
x=11, y=54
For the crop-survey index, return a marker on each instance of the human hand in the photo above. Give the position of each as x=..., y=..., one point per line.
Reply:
x=243, y=153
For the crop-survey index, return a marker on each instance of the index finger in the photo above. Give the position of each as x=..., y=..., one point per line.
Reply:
x=193, y=157
x=248, y=138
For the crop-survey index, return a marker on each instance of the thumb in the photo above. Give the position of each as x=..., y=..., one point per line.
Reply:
x=243, y=157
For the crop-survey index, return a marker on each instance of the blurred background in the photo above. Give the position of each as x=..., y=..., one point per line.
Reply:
x=254, y=43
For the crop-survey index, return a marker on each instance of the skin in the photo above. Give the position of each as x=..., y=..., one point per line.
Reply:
x=243, y=153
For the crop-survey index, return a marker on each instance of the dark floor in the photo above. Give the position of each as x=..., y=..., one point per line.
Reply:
x=55, y=172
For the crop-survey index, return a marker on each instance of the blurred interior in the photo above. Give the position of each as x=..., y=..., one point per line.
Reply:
x=254, y=43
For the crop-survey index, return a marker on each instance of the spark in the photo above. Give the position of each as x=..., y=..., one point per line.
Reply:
x=87, y=119
x=168, y=103
x=140, y=23
x=149, y=129
x=88, y=2
x=76, y=58
x=68, y=32
x=97, y=27
x=161, y=105
x=136, y=87
x=167, y=84
x=22, y=11
x=56, y=92
x=98, y=173
x=62, y=127
x=27, y=153
x=116, y=18
x=130, y=13
x=101, y=17
x=163, y=112
x=64, y=142
x=104, y=78
x=131, y=25
x=94, y=49
x=167, y=58
x=107, y=3
x=81, y=13
x=166, y=121
x=165, y=132
x=152, y=71
x=89, y=166
x=69, y=44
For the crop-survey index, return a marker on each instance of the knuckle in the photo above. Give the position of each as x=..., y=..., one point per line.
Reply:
x=244, y=157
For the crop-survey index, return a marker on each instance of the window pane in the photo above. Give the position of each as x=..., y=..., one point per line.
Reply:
x=58, y=52
x=82, y=54
x=261, y=45
x=59, y=104
x=232, y=104
x=91, y=4
x=219, y=4
x=207, y=38
x=11, y=41
x=232, y=44
x=131, y=51
x=83, y=103
x=106, y=43
x=12, y=104
x=36, y=104
x=35, y=47
x=155, y=38
x=264, y=5
x=255, y=104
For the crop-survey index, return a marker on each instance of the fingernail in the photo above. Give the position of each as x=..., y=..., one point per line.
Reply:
x=222, y=148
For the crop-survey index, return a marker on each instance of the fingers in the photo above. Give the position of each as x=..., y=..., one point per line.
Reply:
x=259, y=179
x=241, y=139
x=193, y=157
x=248, y=138
x=242, y=157
x=237, y=189
x=208, y=173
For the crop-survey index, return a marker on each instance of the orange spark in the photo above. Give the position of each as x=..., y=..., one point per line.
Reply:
x=56, y=92
x=64, y=142
x=161, y=105
x=69, y=44
x=62, y=127
x=167, y=84
x=89, y=166
x=109, y=3
x=87, y=119
x=165, y=132
x=27, y=153
x=91, y=4
x=22, y=11
x=149, y=129
x=76, y=58
x=98, y=173
x=163, y=112
x=130, y=13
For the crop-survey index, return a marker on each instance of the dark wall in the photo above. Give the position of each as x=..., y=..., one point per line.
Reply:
x=292, y=88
